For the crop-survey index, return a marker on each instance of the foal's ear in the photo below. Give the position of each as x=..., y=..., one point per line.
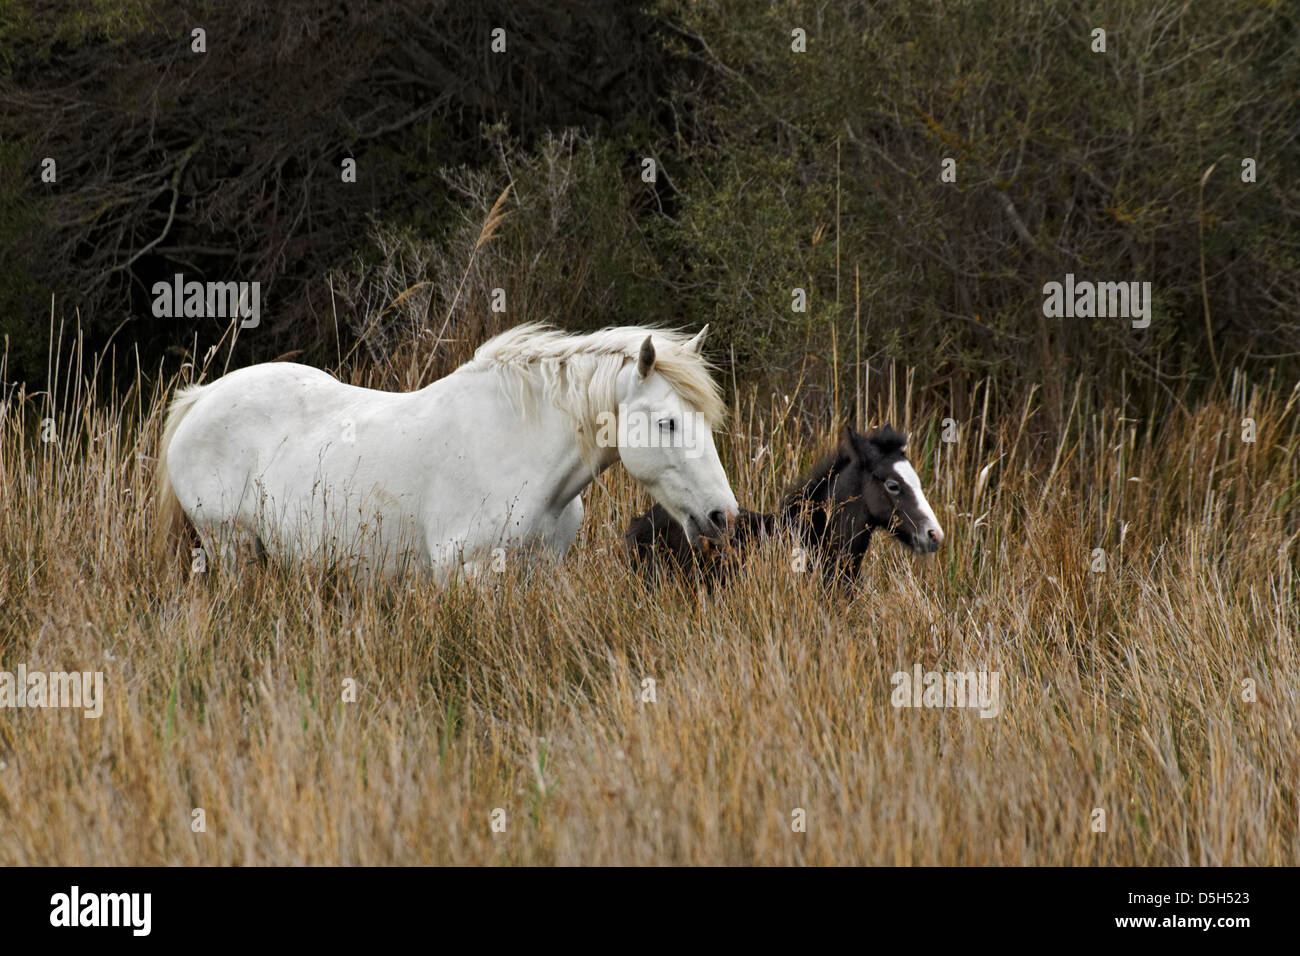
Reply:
x=849, y=445
x=857, y=447
x=696, y=344
x=645, y=362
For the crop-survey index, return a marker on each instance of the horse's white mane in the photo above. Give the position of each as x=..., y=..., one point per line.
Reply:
x=578, y=373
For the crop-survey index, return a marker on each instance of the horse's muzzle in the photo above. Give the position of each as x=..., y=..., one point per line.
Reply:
x=715, y=526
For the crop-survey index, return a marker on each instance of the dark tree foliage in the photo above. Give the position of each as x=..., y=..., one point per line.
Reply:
x=226, y=164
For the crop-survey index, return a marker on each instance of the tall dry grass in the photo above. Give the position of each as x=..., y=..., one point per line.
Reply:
x=1121, y=690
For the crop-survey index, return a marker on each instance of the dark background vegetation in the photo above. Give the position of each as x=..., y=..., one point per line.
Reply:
x=776, y=170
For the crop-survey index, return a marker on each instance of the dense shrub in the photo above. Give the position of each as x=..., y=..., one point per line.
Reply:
x=1067, y=161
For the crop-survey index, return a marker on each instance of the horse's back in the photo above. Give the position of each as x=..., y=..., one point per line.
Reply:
x=248, y=418
x=280, y=388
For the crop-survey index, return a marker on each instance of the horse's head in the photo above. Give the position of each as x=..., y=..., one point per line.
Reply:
x=665, y=439
x=881, y=481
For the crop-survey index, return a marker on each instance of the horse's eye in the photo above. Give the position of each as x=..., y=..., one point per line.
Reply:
x=668, y=423
x=892, y=486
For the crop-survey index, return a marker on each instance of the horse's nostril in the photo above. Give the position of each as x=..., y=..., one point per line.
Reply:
x=936, y=536
x=719, y=519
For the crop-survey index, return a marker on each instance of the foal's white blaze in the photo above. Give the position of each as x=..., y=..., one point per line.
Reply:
x=930, y=529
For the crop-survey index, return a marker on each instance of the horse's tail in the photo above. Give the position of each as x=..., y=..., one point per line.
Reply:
x=169, y=517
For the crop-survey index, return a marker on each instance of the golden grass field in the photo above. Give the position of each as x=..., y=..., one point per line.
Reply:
x=1121, y=690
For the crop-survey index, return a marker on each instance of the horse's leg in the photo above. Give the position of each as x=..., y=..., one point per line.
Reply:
x=567, y=526
x=449, y=560
x=837, y=570
x=858, y=550
x=855, y=564
x=229, y=544
x=844, y=565
x=444, y=562
x=474, y=572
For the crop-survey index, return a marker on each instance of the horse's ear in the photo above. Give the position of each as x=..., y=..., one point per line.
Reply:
x=696, y=344
x=645, y=362
x=848, y=443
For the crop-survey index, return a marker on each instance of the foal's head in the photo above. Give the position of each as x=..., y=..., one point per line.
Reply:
x=887, y=490
x=864, y=484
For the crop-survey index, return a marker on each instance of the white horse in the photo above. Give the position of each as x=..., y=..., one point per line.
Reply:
x=284, y=459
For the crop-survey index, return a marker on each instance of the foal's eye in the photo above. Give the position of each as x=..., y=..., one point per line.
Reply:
x=892, y=486
x=668, y=424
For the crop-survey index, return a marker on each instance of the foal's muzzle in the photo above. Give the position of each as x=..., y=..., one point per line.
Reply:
x=927, y=540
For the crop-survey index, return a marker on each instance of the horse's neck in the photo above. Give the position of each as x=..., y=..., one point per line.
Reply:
x=542, y=450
